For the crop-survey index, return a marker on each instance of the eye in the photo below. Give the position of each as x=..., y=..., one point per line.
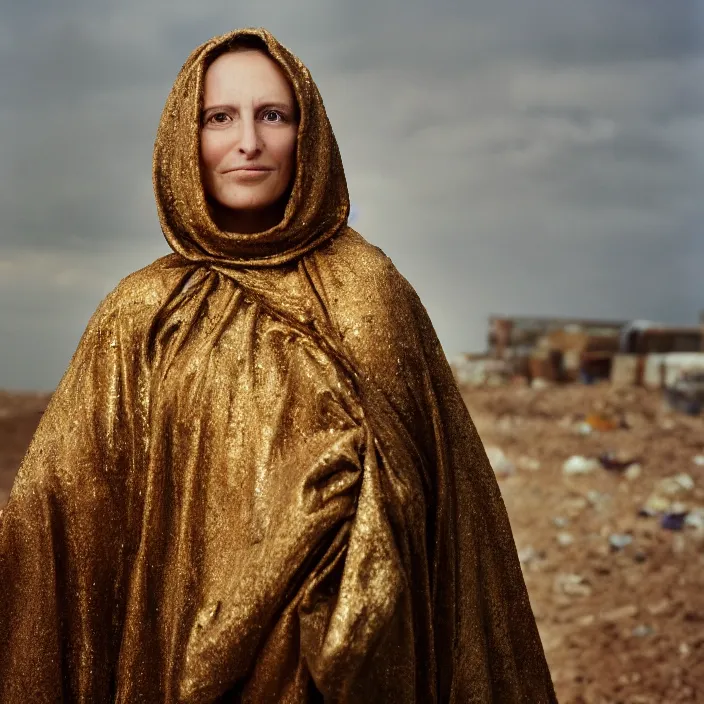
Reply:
x=213, y=117
x=273, y=112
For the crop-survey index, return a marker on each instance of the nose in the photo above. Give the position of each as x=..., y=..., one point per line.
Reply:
x=249, y=138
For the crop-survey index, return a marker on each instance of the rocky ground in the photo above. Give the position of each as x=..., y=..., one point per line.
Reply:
x=612, y=548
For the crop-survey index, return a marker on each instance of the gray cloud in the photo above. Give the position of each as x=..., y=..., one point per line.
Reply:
x=540, y=157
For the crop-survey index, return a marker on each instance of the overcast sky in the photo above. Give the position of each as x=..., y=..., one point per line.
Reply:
x=539, y=157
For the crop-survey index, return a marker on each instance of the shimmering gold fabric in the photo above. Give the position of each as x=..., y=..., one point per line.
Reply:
x=257, y=480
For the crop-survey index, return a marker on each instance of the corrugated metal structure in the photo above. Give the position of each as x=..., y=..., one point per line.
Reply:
x=571, y=349
x=518, y=336
x=642, y=338
x=636, y=352
x=555, y=349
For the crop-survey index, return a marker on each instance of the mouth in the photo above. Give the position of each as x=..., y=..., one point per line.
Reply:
x=249, y=169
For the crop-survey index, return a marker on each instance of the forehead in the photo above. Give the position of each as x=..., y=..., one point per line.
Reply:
x=246, y=73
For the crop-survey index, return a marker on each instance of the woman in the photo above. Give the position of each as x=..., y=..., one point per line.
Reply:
x=257, y=480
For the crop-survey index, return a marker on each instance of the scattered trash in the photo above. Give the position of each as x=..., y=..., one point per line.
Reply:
x=572, y=585
x=655, y=504
x=502, y=466
x=618, y=541
x=686, y=393
x=583, y=428
x=580, y=465
x=673, y=521
x=596, y=499
x=678, y=543
x=695, y=519
x=560, y=522
x=642, y=630
x=659, y=607
x=601, y=423
x=678, y=484
x=661, y=500
x=615, y=461
x=698, y=460
x=586, y=620
x=634, y=421
x=619, y=613
x=564, y=539
x=633, y=472
x=540, y=383
x=528, y=554
x=573, y=506
x=528, y=463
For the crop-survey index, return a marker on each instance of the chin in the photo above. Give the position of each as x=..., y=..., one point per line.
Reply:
x=249, y=201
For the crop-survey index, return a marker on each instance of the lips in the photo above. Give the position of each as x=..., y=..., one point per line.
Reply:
x=250, y=168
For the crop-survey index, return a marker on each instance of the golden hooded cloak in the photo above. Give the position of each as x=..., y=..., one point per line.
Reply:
x=257, y=480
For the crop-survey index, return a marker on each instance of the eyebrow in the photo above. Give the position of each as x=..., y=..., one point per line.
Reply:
x=264, y=103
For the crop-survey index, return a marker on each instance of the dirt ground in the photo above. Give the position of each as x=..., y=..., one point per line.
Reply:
x=618, y=596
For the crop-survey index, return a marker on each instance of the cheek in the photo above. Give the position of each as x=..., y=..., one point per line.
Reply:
x=285, y=148
x=211, y=150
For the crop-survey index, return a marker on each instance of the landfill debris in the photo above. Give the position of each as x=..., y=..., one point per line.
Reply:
x=560, y=522
x=577, y=464
x=540, y=383
x=676, y=485
x=601, y=423
x=572, y=585
x=667, y=490
x=494, y=380
x=502, y=466
x=615, y=461
x=618, y=541
x=597, y=499
x=660, y=607
x=619, y=613
x=633, y=472
x=574, y=505
x=655, y=504
x=528, y=463
x=695, y=519
x=528, y=554
x=698, y=460
x=583, y=428
x=673, y=521
x=564, y=539
x=678, y=543
x=634, y=421
x=642, y=630
x=481, y=371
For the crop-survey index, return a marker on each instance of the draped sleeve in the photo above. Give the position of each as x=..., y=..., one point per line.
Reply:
x=63, y=533
x=474, y=629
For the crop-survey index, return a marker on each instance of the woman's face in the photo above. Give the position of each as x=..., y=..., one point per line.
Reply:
x=248, y=139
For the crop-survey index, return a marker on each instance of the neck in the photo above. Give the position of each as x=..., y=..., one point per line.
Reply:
x=247, y=222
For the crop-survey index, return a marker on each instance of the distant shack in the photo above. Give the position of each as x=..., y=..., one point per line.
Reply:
x=583, y=349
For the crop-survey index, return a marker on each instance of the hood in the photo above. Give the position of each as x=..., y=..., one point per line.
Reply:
x=318, y=206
